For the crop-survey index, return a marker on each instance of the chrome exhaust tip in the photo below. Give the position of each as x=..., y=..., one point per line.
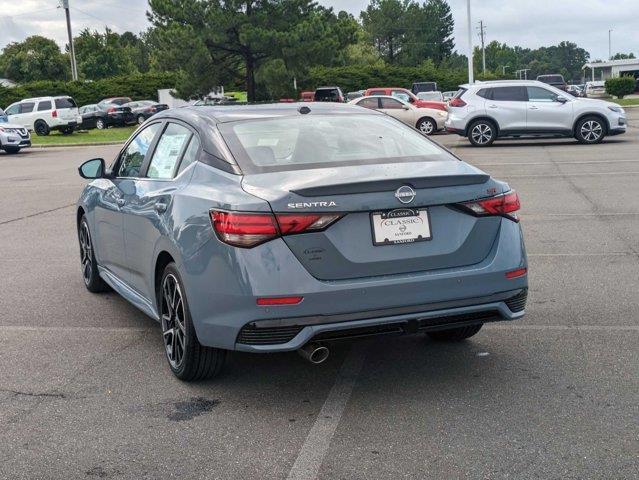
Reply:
x=314, y=353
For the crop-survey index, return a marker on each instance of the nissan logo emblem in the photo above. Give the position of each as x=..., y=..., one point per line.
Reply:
x=405, y=194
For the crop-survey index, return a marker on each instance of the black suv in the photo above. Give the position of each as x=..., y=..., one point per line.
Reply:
x=555, y=80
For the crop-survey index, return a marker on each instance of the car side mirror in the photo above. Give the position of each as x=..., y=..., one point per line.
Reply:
x=560, y=99
x=92, y=169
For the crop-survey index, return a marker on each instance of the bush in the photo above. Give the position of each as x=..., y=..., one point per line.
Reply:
x=138, y=87
x=619, y=87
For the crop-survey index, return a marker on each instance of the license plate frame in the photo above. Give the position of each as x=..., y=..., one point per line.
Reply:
x=399, y=213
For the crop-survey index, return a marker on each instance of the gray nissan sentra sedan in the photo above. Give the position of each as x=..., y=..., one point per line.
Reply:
x=284, y=227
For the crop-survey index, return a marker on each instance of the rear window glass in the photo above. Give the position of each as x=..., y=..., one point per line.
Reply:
x=324, y=141
x=327, y=95
x=484, y=93
x=459, y=93
x=551, y=78
x=67, y=102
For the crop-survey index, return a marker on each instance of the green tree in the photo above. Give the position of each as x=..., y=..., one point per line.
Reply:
x=235, y=37
x=101, y=55
x=36, y=58
x=385, y=23
x=623, y=56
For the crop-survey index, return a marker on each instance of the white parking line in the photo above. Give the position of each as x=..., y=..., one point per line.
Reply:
x=311, y=455
x=578, y=162
x=561, y=175
x=597, y=254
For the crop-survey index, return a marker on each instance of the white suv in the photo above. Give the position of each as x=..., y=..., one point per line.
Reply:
x=44, y=114
x=486, y=111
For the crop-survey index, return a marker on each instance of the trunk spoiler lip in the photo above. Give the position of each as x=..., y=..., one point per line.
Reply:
x=393, y=184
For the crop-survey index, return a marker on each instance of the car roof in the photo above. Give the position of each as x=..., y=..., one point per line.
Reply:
x=504, y=83
x=230, y=113
x=37, y=99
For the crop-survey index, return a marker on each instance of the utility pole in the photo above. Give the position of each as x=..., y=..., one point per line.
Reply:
x=471, y=76
x=482, y=33
x=74, y=66
x=609, y=45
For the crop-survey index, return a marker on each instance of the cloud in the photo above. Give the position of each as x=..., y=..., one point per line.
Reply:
x=529, y=23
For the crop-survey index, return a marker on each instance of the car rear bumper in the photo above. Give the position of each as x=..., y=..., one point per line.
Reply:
x=221, y=310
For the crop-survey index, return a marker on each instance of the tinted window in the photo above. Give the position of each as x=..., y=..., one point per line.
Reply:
x=509, y=94
x=369, y=102
x=389, y=103
x=190, y=155
x=27, y=107
x=43, y=106
x=537, y=94
x=323, y=141
x=132, y=158
x=551, y=78
x=327, y=95
x=459, y=93
x=484, y=93
x=168, y=150
x=378, y=92
x=66, y=102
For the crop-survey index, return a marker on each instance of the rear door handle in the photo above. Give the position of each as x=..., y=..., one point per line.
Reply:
x=160, y=207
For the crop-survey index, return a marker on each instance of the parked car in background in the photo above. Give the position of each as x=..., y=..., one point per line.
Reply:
x=144, y=109
x=423, y=87
x=426, y=120
x=354, y=95
x=307, y=96
x=94, y=117
x=221, y=100
x=405, y=95
x=107, y=103
x=13, y=136
x=555, y=80
x=44, y=114
x=575, y=91
x=115, y=108
x=449, y=94
x=486, y=111
x=266, y=229
x=595, y=89
x=433, y=96
x=328, y=94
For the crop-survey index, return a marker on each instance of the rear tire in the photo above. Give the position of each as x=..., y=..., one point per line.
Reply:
x=90, y=273
x=11, y=150
x=455, y=334
x=188, y=359
x=100, y=124
x=41, y=128
x=482, y=133
x=66, y=130
x=427, y=126
x=590, y=130
x=141, y=119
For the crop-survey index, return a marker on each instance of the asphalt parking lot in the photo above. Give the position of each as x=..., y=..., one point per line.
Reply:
x=85, y=391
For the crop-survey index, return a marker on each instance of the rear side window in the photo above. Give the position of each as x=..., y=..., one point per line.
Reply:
x=509, y=94
x=168, y=151
x=190, y=155
x=484, y=93
x=369, y=102
x=27, y=107
x=66, y=102
x=132, y=158
x=44, y=106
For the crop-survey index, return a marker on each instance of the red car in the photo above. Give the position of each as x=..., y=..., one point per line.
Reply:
x=407, y=96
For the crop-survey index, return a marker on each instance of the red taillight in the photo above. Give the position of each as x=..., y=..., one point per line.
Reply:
x=250, y=229
x=505, y=205
x=456, y=102
x=54, y=114
x=111, y=110
x=268, y=301
x=520, y=272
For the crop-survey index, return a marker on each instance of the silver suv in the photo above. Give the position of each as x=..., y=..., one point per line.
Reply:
x=485, y=111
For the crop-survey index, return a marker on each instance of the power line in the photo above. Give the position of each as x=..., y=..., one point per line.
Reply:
x=32, y=12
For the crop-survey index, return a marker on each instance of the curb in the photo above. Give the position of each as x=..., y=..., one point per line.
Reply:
x=62, y=145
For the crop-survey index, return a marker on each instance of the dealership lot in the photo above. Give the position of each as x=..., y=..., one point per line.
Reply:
x=86, y=392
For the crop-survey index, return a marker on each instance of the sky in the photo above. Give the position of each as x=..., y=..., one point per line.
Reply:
x=528, y=23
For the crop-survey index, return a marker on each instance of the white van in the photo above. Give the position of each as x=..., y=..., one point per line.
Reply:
x=44, y=114
x=595, y=89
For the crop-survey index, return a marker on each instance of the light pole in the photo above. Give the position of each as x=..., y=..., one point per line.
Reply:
x=471, y=77
x=503, y=69
x=609, y=45
x=482, y=33
x=74, y=66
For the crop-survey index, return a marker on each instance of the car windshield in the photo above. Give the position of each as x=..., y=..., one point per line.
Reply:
x=321, y=141
x=3, y=117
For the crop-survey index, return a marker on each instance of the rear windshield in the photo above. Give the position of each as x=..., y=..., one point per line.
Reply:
x=323, y=141
x=66, y=102
x=327, y=95
x=551, y=78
